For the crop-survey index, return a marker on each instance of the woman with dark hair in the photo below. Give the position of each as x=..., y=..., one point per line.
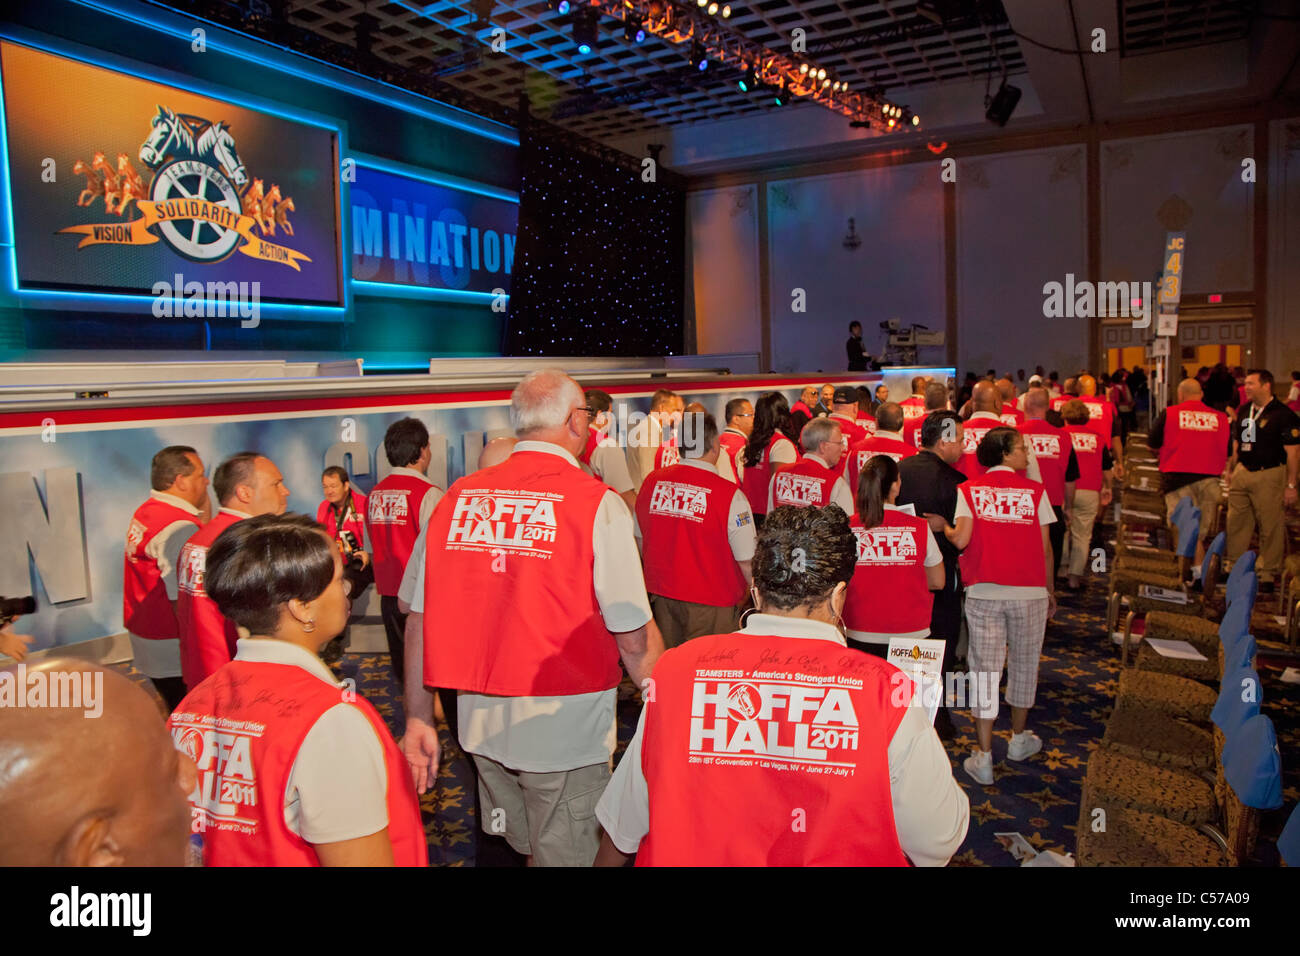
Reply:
x=1092, y=489
x=1006, y=566
x=769, y=446
x=343, y=514
x=898, y=565
x=781, y=716
x=294, y=768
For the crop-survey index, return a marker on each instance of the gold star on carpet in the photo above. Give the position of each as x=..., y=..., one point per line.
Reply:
x=1046, y=798
x=451, y=797
x=1072, y=672
x=986, y=812
x=1054, y=759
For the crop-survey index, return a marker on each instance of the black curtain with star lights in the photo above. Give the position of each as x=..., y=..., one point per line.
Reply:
x=600, y=261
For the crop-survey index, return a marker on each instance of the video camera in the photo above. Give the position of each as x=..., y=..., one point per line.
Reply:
x=13, y=608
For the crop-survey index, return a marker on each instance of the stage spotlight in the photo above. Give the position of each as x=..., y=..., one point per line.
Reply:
x=825, y=83
x=835, y=86
x=586, y=29
x=699, y=57
x=803, y=68
x=703, y=3
x=633, y=30
x=713, y=9
x=726, y=10
x=884, y=109
x=916, y=120
x=821, y=74
x=780, y=96
x=562, y=7
x=891, y=122
x=748, y=80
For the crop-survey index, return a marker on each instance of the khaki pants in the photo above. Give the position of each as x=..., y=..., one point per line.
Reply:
x=548, y=816
x=1255, y=499
x=679, y=621
x=1083, y=514
x=1206, y=494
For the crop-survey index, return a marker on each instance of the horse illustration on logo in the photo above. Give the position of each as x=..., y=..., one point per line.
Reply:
x=200, y=196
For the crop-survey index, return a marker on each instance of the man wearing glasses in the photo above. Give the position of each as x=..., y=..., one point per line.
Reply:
x=532, y=593
x=740, y=424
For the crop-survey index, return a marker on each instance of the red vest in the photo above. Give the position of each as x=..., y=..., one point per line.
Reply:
x=243, y=727
x=354, y=521
x=850, y=434
x=146, y=609
x=207, y=638
x=394, y=517
x=1100, y=415
x=771, y=770
x=594, y=435
x=868, y=422
x=758, y=477
x=805, y=484
x=1196, y=439
x=1051, y=446
x=510, y=605
x=666, y=455
x=801, y=406
x=869, y=448
x=912, y=431
x=889, y=592
x=973, y=432
x=1087, y=451
x=1011, y=415
x=683, y=512
x=1006, y=546
x=913, y=408
x=733, y=446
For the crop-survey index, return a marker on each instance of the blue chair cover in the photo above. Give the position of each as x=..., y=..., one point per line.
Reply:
x=1243, y=589
x=1288, y=843
x=1239, y=698
x=1217, y=546
x=1189, y=529
x=1252, y=764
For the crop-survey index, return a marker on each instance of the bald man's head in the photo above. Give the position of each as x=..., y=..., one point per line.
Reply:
x=936, y=397
x=80, y=790
x=1071, y=386
x=496, y=451
x=1037, y=401
x=1007, y=389
x=1189, y=390
x=985, y=397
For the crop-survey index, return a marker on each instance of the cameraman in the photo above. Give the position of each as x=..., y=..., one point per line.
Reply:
x=343, y=513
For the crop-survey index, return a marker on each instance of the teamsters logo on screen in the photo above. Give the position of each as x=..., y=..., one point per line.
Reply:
x=200, y=200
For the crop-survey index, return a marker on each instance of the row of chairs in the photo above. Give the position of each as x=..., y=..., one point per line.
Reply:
x=1183, y=771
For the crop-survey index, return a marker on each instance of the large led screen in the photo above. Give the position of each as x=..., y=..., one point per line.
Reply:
x=118, y=183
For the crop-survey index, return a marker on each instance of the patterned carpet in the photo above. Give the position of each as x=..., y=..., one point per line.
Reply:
x=1038, y=798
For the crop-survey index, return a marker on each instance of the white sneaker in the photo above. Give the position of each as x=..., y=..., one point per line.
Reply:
x=1024, y=744
x=979, y=766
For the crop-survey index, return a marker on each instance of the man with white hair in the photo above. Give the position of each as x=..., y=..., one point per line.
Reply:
x=814, y=481
x=532, y=591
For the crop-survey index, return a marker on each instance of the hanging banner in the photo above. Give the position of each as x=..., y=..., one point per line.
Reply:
x=1171, y=284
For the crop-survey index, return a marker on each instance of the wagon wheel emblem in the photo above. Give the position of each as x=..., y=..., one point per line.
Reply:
x=196, y=239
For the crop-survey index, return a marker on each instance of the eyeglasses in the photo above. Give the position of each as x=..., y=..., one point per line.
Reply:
x=591, y=412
